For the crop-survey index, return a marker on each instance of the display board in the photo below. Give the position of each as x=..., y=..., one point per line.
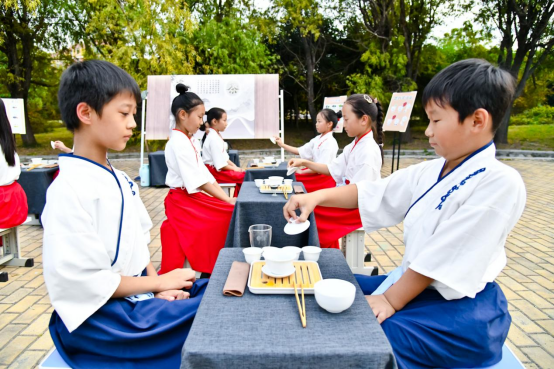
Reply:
x=335, y=103
x=250, y=100
x=15, y=109
x=399, y=111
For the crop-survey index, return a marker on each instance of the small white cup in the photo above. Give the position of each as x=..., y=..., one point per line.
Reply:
x=259, y=182
x=256, y=161
x=296, y=250
x=252, y=254
x=311, y=253
x=36, y=161
x=288, y=182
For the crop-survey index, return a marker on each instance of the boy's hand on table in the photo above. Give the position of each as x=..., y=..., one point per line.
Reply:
x=381, y=307
x=172, y=295
x=177, y=280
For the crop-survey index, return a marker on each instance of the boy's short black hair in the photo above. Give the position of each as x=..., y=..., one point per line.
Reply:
x=94, y=82
x=472, y=84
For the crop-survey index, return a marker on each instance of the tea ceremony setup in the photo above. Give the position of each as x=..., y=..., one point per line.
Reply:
x=265, y=184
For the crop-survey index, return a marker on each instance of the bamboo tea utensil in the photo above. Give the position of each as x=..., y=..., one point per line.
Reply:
x=301, y=307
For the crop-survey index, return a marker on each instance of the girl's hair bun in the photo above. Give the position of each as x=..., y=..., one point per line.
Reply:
x=339, y=114
x=181, y=88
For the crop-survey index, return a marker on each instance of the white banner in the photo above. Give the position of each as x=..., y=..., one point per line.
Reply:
x=16, y=115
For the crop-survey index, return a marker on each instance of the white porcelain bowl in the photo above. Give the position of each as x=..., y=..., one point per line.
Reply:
x=311, y=253
x=294, y=249
x=279, y=261
x=334, y=295
x=252, y=254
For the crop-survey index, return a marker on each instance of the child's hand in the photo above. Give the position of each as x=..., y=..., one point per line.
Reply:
x=232, y=200
x=296, y=162
x=60, y=146
x=306, y=204
x=381, y=307
x=237, y=169
x=278, y=140
x=172, y=295
x=177, y=279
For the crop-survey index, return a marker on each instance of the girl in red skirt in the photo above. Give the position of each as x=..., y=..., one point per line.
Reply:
x=214, y=151
x=197, y=223
x=13, y=201
x=321, y=149
x=360, y=160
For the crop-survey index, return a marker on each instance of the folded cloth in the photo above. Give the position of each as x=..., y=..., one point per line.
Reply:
x=298, y=189
x=236, y=280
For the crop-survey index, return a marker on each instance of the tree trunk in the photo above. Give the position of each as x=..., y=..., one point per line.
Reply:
x=501, y=136
x=296, y=111
x=306, y=43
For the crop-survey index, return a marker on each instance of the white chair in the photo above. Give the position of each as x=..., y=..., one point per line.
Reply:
x=10, y=253
x=227, y=187
x=354, y=251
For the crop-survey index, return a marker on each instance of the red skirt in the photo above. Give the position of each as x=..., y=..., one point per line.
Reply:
x=195, y=229
x=13, y=206
x=335, y=223
x=227, y=176
x=314, y=181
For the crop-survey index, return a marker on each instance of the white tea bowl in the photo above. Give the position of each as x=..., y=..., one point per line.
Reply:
x=334, y=295
x=279, y=261
x=252, y=254
x=311, y=253
x=294, y=249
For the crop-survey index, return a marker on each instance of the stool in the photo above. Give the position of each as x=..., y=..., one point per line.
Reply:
x=10, y=253
x=227, y=187
x=354, y=252
x=53, y=360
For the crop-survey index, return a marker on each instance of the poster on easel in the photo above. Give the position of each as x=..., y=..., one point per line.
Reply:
x=16, y=115
x=399, y=111
x=335, y=103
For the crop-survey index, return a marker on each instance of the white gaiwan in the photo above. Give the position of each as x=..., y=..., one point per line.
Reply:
x=275, y=181
x=279, y=261
x=334, y=295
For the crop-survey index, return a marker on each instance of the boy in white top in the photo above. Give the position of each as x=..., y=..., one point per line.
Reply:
x=111, y=307
x=442, y=308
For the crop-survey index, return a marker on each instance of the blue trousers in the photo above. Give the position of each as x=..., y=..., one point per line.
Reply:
x=431, y=332
x=123, y=334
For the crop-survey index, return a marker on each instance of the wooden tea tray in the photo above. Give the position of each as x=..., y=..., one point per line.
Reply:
x=306, y=271
x=268, y=189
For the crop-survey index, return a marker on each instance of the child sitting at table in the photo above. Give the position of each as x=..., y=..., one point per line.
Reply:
x=111, y=309
x=214, y=151
x=321, y=149
x=197, y=223
x=13, y=200
x=442, y=308
x=360, y=160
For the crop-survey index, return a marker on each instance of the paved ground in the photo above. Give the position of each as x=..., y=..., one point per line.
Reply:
x=527, y=281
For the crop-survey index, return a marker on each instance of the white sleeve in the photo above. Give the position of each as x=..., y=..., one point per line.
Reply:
x=461, y=248
x=219, y=155
x=306, y=151
x=193, y=173
x=337, y=168
x=366, y=172
x=384, y=203
x=77, y=267
x=145, y=220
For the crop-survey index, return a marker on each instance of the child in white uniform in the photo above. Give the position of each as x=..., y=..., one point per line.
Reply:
x=111, y=307
x=442, y=308
x=360, y=160
x=214, y=151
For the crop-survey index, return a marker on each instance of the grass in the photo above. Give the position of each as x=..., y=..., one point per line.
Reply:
x=532, y=137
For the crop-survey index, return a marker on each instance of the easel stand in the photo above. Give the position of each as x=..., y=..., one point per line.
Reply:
x=397, y=138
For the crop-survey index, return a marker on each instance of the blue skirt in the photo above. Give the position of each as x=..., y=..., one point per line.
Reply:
x=123, y=334
x=431, y=332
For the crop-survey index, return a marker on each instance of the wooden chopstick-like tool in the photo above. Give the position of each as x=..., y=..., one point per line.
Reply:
x=301, y=307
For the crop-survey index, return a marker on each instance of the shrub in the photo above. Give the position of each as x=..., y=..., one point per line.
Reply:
x=537, y=115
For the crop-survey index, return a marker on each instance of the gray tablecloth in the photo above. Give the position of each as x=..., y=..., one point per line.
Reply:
x=253, y=207
x=281, y=170
x=264, y=331
x=158, y=168
x=35, y=183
